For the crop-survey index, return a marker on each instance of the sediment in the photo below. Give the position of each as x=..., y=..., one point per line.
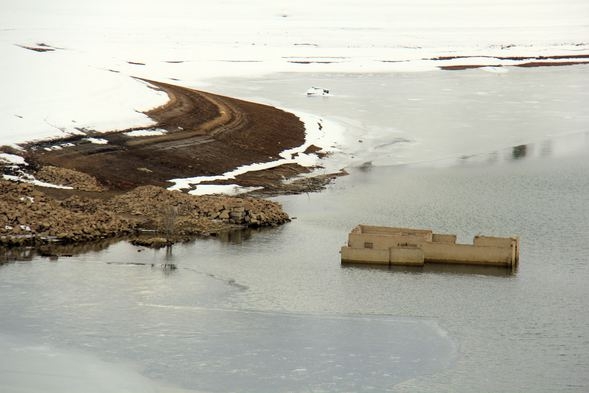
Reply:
x=206, y=134
x=28, y=216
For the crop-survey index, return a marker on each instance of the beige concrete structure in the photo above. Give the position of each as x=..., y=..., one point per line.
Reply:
x=414, y=247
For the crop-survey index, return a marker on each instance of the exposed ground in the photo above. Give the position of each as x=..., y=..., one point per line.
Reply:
x=540, y=61
x=118, y=186
x=207, y=134
x=30, y=216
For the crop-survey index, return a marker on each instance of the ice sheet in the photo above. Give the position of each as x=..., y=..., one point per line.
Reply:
x=51, y=369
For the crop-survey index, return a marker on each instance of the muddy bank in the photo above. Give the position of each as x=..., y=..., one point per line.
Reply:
x=29, y=216
x=197, y=134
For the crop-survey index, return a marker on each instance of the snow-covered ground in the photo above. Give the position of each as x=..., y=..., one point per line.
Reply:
x=66, y=65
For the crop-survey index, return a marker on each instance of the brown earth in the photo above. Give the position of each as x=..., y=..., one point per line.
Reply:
x=208, y=134
x=540, y=61
x=529, y=64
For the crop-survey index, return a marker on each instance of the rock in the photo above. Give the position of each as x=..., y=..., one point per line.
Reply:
x=153, y=242
x=82, y=219
x=68, y=177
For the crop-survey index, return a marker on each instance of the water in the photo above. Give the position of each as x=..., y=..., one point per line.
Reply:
x=273, y=311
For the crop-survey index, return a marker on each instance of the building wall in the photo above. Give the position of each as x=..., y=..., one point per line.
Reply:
x=467, y=254
x=379, y=230
x=406, y=256
x=486, y=241
x=443, y=238
x=359, y=240
x=411, y=256
x=364, y=255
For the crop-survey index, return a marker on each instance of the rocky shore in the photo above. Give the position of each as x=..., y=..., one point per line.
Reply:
x=29, y=216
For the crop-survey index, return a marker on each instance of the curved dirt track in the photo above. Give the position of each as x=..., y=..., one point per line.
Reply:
x=208, y=134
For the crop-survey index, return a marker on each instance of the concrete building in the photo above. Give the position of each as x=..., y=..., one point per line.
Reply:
x=414, y=247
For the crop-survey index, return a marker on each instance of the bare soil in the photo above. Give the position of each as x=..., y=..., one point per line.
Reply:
x=207, y=134
x=118, y=188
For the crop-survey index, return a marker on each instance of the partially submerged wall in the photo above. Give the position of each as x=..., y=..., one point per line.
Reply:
x=410, y=256
x=440, y=238
x=467, y=254
x=406, y=246
x=382, y=241
x=364, y=255
x=377, y=237
x=380, y=230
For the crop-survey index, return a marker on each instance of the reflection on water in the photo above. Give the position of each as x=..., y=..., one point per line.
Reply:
x=53, y=251
x=452, y=269
x=561, y=146
x=16, y=254
x=519, y=152
x=236, y=236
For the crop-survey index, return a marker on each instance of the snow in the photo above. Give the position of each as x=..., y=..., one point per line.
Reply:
x=318, y=132
x=98, y=141
x=30, y=179
x=317, y=91
x=146, y=132
x=227, y=189
x=12, y=159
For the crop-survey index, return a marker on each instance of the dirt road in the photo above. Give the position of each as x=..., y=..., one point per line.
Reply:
x=207, y=134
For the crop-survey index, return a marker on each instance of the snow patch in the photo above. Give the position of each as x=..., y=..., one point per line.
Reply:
x=496, y=70
x=227, y=189
x=317, y=91
x=26, y=178
x=146, y=132
x=98, y=141
x=12, y=159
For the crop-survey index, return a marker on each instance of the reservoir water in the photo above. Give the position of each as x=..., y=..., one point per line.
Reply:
x=274, y=311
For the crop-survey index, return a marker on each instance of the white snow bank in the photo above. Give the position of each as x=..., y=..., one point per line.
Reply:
x=146, y=132
x=32, y=180
x=317, y=91
x=98, y=141
x=227, y=189
x=55, y=94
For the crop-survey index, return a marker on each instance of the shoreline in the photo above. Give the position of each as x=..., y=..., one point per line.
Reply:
x=107, y=185
x=151, y=215
x=199, y=134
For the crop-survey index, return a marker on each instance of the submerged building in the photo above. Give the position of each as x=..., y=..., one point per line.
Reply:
x=416, y=247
